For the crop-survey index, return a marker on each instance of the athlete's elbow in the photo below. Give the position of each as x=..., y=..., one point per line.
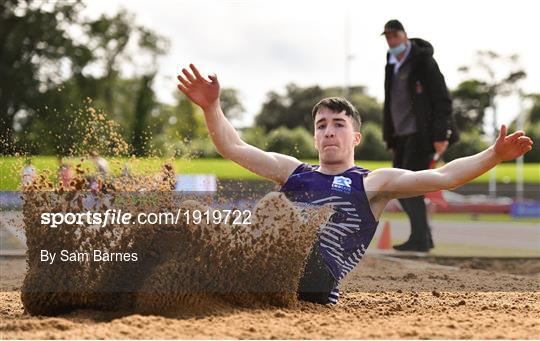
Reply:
x=229, y=151
x=447, y=181
x=223, y=146
x=226, y=152
x=452, y=182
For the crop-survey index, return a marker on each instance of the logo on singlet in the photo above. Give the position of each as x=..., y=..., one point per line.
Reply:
x=342, y=184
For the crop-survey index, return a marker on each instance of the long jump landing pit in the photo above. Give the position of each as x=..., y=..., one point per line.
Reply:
x=382, y=298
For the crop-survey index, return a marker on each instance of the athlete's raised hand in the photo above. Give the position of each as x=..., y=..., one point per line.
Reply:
x=204, y=93
x=512, y=146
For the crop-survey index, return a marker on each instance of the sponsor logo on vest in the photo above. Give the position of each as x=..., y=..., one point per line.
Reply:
x=342, y=184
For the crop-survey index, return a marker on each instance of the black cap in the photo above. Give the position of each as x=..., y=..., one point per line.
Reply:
x=393, y=26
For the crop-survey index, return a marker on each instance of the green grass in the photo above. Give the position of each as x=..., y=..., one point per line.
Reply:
x=10, y=168
x=506, y=172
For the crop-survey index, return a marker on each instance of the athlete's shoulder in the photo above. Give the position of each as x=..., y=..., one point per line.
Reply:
x=304, y=168
x=359, y=170
x=298, y=177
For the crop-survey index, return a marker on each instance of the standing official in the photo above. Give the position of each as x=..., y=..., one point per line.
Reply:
x=417, y=122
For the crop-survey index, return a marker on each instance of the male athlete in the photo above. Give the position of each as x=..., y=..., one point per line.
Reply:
x=358, y=195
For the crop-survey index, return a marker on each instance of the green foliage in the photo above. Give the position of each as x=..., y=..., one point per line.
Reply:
x=32, y=40
x=533, y=131
x=145, y=102
x=372, y=146
x=297, y=142
x=47, y=54
x=194, y=149
x=281, y=115
x=202, y=148
x=471, y=98
x=290, y=110
x=230, y=103
x=470, y=142
x=255, y=136
x=495, y=76
x=52, y=59
x=531, y=127
x=370, y=110
x=180, y=130
x=186, y=120
x=534, y=114
x=293, y=109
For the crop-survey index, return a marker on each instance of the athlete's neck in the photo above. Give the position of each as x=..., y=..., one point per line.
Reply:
x=333, y=169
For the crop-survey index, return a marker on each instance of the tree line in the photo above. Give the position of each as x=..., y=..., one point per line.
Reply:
x=55, y=63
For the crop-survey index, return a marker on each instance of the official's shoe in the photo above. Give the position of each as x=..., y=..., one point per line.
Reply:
x=430, y=241
x=413, y=246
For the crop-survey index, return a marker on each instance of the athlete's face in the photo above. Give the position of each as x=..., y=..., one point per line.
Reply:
x=335, y=136
x=395, y=38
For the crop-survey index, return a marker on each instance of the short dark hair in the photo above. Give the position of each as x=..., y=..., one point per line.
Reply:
x=337, y=105
x=393, y=26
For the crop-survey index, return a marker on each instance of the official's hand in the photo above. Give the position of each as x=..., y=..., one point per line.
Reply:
x=512, y=146
x=440, y=147
x=202, y=92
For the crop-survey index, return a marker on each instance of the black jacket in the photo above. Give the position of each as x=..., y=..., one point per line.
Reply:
x=431, y=103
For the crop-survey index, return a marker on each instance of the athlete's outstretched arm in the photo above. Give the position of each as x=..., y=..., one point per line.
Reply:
x=205, y=93
x=400, y=183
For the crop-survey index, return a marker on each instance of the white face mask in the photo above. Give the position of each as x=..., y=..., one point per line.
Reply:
x=395, y=51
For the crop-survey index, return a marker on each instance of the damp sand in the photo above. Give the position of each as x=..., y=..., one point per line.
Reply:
x=381, y=298
x=182, y=269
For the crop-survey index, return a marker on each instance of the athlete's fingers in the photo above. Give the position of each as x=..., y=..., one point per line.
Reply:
x=524, y=139
x=196, y=72
x=188, y=75
x=525, y=148
x=182, y=88
x=213, y=78
x=502, y=132
x=515, y=135
x=184, y=81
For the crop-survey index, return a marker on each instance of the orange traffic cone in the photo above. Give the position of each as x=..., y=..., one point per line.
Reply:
x=385, y=240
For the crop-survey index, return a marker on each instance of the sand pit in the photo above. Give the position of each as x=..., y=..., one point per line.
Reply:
x=180, y=268
x=382, y=298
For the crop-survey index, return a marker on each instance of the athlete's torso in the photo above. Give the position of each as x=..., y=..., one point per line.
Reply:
x=346, y=236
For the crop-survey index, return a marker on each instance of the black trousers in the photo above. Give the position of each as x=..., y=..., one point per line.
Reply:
x=409, y=153
x=317, y=281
